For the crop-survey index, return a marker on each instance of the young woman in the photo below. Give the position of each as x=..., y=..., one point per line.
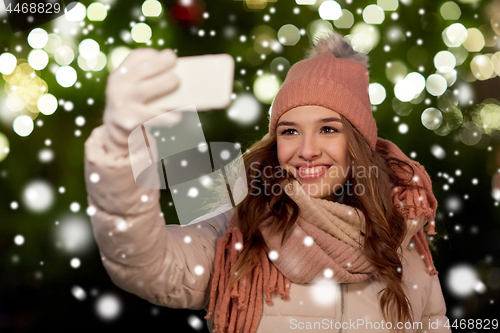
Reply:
x=329, y=238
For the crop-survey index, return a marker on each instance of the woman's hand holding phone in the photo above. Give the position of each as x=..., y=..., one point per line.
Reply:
x=144, y=75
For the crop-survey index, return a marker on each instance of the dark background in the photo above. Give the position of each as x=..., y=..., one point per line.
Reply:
x=35, y=297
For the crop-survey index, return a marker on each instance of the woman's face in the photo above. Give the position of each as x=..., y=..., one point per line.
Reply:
x=312, y=143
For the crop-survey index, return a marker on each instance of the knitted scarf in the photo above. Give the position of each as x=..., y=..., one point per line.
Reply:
x=327, y=238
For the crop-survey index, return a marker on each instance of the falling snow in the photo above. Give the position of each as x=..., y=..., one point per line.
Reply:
x=273, y=255
x=75, y=262
x=108, y=307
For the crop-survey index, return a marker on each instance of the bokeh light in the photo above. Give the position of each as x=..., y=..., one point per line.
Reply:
x=470, y=134
x=46, y=155
x=495, y=61
x=102, y=61
x=403, y=128
x=37, y=38
x=4, y=146
x=64, y=55
x=364, y=37
x=19, y=240
x=451, y=77
x=289, y=35
x=388, y=5
x=38, y=59
x=79, y=293
x=450, y=11
x=395, y=35
x=38, y=196
x=400, y=107
x=23, y=125
x=47, y=104
x=396, y=71
x=15, y=102
x=88, y=48
x=432, y=118
x=495, y=23
x=436, y=84
x=80, y=121
x=279, y=66
x=438, y=152
x=53, y=42
x=264, y=41
x=460, y=54
x=141, y=33
x=95, y=64
x=345, y=21
x=329, y=10
x=24, y=87
x=77, y=13
x=66, y=76
x=151, y=8
x=482, y=67
x=96, y=12
x=475, y=40
x=195, y=322
x=455, y=35
x=454, y=204
x=8, y=63
x=245, y=109
x=490, y=117
x=418, y=81
x=404, y=90
x=108, y=307
x=465, y=93
x=373, y=14
x=265, y=87
x=377, y=93
x=74, y=234
x=452, y=117
x=75, y=263
x=461, y=280
x=444, y=61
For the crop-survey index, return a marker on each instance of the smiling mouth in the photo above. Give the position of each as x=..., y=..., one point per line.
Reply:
x=312, y=172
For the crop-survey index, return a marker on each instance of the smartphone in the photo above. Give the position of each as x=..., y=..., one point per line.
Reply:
x=206, y=81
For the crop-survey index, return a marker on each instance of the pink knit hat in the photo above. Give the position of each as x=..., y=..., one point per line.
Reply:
x=334, y=83
x=335, y=76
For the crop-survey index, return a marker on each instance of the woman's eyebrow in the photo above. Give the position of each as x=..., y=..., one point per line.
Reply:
x=324, y=120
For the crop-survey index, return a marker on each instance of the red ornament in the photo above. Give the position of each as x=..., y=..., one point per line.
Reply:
x=188, y=13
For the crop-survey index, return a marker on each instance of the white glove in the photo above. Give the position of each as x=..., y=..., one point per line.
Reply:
x=144, y=75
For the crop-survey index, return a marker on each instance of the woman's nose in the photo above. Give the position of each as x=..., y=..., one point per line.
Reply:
x=309, y=148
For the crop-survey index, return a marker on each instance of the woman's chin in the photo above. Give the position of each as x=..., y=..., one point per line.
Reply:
x=314, y=192
x=326, y=192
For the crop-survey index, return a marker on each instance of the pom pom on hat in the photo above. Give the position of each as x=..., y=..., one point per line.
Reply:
x=337, y=45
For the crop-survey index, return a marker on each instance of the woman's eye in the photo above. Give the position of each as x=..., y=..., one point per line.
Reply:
x=287, y=131
x=329, y=129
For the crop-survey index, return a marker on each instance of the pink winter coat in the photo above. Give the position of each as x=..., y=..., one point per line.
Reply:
x=172, y=265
